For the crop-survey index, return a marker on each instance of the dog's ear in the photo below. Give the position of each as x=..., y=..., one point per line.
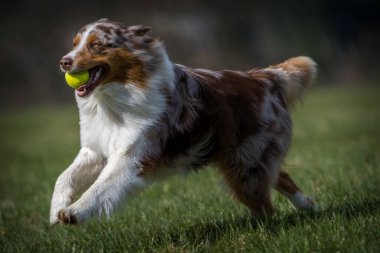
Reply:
x=138, y=30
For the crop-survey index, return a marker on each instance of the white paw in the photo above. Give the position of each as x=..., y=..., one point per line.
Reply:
x=309, y=203
x=53, y=219
x=58, y=203
x=302, y=202
x=54, y=215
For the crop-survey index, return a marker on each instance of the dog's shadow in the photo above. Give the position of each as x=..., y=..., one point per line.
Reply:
x=210, y=232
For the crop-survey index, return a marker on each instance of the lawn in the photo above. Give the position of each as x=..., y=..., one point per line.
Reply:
x=335, y=157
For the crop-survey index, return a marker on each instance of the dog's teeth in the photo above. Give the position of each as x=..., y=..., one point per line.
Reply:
x=82, y=92
x=97, y=74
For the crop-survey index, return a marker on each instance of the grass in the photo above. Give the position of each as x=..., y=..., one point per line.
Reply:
x=335, y=157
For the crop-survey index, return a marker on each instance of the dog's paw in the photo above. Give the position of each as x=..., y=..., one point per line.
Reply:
x=65, y=216
x=309, y=204
x=303, y=202
x=53, y=220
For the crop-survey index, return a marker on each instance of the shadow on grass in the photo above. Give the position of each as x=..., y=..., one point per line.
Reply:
x=208, y=233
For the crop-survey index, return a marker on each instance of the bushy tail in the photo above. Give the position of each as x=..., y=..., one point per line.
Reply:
x=295, y=75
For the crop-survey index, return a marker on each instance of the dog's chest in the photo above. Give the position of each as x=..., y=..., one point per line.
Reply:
x=105, y=135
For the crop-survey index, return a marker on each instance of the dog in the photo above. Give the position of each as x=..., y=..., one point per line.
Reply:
x=143, y=118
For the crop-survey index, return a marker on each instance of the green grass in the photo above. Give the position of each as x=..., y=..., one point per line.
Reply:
x=335, y=157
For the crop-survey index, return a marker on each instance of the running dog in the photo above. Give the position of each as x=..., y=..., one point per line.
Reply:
x=143, y=118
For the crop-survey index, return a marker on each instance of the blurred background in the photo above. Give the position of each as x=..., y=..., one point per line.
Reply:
x=343, y=36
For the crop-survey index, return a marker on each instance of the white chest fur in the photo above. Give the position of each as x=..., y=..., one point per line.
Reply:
x=105, y=136
x=116, y=115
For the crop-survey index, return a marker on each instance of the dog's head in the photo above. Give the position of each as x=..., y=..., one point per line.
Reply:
x=112, y=52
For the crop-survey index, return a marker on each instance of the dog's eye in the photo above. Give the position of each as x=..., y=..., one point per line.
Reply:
x=75, y=44
x=94, y=45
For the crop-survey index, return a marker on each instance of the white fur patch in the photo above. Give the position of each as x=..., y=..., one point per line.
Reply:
x=301, y=201
x=81, y=45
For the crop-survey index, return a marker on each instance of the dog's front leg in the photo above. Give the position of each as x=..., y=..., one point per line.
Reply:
x=77, y=177
x=118, y=178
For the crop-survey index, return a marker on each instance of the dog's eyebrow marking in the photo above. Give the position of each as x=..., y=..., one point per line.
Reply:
x=82, y=42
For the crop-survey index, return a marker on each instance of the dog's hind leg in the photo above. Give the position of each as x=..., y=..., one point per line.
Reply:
x=252, y=187
x=286, y=186
x=251, y=170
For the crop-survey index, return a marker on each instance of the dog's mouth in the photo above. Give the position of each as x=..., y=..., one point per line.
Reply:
x=97, y=75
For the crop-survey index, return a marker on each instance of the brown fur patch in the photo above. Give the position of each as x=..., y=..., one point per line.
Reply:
x=76, y=40
x=300, y=72
x=91, y=38
x=124, y=67
x=66, y=219
x=298, y=64
x=252, y=190
x=285, y=184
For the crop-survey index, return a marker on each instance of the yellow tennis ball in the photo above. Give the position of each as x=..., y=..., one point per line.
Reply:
x=75, y=80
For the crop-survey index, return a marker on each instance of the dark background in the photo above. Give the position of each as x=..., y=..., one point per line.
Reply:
x=342, y=36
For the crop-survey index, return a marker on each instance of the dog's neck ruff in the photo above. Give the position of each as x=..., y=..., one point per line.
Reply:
x=116, y=114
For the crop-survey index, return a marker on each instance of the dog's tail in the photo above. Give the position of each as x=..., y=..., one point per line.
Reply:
x=294, y=75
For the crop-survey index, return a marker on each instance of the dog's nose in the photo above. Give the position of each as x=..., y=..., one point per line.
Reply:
x=66, y=63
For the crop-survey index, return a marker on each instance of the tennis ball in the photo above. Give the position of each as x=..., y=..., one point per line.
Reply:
x=75, y=80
